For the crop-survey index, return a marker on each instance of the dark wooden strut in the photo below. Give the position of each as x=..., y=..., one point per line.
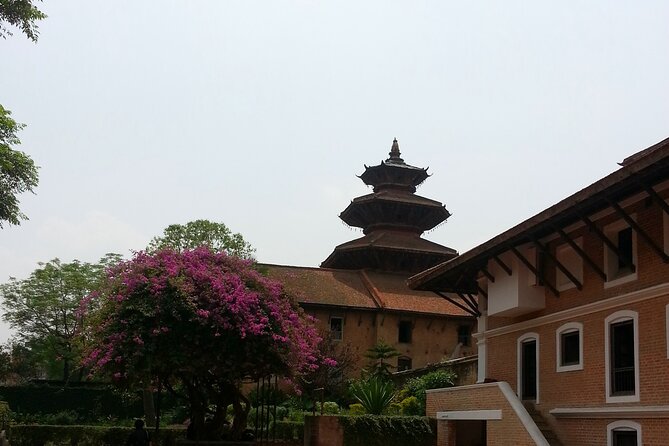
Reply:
x=608, y=243
x=581, y=253
x=660, y=202
x=456, y=303
x=487, y=274
x=535, y=271
x=482, y=291
x=559, y=264
x=471, y=303
x=644, y=235
x=502, y=265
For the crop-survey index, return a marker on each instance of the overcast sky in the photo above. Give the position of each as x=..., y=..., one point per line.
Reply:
x=260, y=114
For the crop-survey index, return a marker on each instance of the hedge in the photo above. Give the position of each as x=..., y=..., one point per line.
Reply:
x=41, y=435
x=90, y=403
x=373, y=430
x=287, y=430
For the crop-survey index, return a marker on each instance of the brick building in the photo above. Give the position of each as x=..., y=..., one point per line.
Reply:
x=573, y=337
x=360, y=294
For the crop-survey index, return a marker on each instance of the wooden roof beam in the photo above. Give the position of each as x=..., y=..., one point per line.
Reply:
x=486, y=273
x=536, y=272
x=456, y=303
x=470, y=302
x=643, y=234
x=559, y=264
x=608, y=242
x=656, y=198
x=502, y=265
x=586, y=258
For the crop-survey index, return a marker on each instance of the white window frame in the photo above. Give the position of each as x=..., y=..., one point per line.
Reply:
x=577, y=269
x=569, y=327
x=341, y=336
x=615, y=279
x=519, y=363
x=623, y=425
x=621, y=316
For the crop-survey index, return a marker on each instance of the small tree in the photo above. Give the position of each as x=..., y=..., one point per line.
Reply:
x=43, y=311
x=201, y=322
x=379, y=355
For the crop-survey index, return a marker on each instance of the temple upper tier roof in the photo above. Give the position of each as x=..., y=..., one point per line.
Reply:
x=394, y=173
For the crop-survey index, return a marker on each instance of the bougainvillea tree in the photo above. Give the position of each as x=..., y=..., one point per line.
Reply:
x=201, y=322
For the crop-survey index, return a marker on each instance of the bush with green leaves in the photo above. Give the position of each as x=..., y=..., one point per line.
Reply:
x=416, y=387
x=329, y=408
x=356, y=409
x=32, y=435
x=375, y=394
x=411, y=406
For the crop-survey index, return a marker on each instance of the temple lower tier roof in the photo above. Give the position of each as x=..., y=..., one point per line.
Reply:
x=395, y=208
x=387, y=250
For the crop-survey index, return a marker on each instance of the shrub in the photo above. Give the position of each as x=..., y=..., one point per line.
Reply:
x=5, y=415
x=356, y=409
x=287, y=430
x=329, y=408
x=394, y=409
x=433, y=380
x=411, y=406
x=369, y=430
x=36, y=435
x=374, y=394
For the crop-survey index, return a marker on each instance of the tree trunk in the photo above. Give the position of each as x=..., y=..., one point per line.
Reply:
x=241, y=407
x=149, y=408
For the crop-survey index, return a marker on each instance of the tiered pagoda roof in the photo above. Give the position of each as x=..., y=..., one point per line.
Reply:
x=392, y=218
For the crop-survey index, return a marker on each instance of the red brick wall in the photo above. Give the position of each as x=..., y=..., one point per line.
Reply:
x=433, y=338
x=505, y=432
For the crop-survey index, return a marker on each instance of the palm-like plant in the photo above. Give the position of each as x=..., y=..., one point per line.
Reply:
x=375, y=394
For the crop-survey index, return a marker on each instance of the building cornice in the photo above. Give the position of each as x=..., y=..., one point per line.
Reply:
x=611, y=412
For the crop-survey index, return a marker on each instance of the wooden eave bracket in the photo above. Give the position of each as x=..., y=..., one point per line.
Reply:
x=607, y=242
x=586, y=258
x=536, y=272
x=559, y=264
x=467, y=309
x=643, y=234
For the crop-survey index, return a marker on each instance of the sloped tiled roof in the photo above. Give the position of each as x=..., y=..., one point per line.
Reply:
x=323, y=286
x=359, y=289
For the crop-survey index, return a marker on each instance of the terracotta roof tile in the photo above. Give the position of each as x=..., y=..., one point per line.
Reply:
x=358, y=289
x=323, y=286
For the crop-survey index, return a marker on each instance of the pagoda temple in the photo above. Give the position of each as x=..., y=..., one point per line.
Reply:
x=392, y=218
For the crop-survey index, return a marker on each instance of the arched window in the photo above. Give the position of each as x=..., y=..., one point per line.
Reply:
x=621, y=346
x=569, y=347
x=623, y=433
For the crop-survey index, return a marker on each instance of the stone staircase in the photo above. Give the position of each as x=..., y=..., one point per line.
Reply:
x=543, y=425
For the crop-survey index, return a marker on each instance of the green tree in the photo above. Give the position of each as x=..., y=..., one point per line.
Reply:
x=21, y=14
x=43, y=309
x=18, y=172
x=379, y=367
x=216, y=236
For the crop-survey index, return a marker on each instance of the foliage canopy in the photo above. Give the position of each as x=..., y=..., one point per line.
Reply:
x=22, y=14
x=43, y=309
x=200, y=322
x=216, y=236
x=18, y=172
